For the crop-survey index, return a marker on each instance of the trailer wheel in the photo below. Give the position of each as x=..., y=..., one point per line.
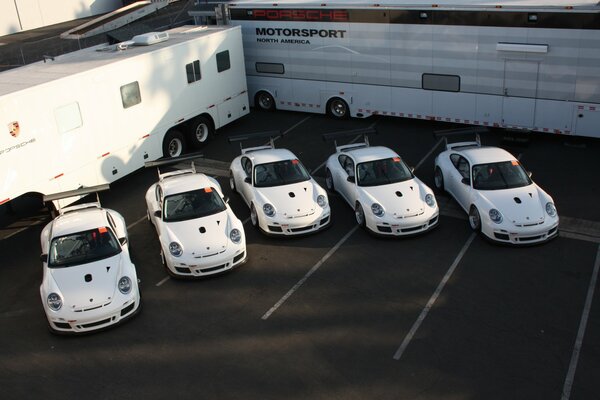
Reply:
x=265, y=101
x=337, y=108
x=200, y=131
x=173, y=144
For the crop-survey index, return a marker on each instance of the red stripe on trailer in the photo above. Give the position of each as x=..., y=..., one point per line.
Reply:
x=402, y=114
x=476, y=122
x=360, y=110
x=467, y=121
x=58, y=176
x=456, y=120
x=486, y=123
x=496, y=125
x=105, y=154
x=211, y=106
x=242, y=92
x=289, y=103
x=430, y=117
x=580, y=107
x=557, y=131
x=448, y=119
x=545, y=129
x=393, y=113
x=384, y=112
x=592, y=108
x=146, y=136
x=410, y=115
x=4, y=201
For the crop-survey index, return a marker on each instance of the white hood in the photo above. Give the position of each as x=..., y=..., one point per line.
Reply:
x=88, y=285
x=398, y=199
x=201, y=236
x=519, y=205
x=296, y=199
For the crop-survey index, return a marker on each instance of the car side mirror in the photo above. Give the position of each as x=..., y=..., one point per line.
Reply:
x=247, y=180
x=466, y=181
x=351, y=179
x=529, y=174
x=157, y=213
x=44, y=258
x=123, y=241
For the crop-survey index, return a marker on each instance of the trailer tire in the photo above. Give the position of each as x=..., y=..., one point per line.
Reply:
x=173, y=144
x=338, y=108
x=264, y=101
x=200, y=131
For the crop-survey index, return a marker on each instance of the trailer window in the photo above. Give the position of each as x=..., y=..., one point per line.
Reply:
x=68, y=117
x=446, y=83
x=223, y=63
x=192, y=71
x=130, y=94
x=270, y=68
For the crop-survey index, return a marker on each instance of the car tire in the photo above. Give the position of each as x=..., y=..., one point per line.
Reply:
x=173, y=144
x=438, y=180
x=329, y=181
x=253, y=216
x=359, y=214
x=232, y=182
x=338, y=108
x=264, y=101
x=475, y=219
x=200, y=131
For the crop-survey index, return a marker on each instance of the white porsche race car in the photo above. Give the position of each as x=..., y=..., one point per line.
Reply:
x=492, y=186
x=282, y=196
x=199, y=233
x=387, y=198
x=89, y=281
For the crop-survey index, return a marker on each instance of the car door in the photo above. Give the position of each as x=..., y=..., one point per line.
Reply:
x=347, y=189
x=245, y=188
x=155, y=204
x=461, y=170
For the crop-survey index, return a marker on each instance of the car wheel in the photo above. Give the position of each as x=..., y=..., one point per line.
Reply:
x=329, y=181
x=200, y=131
x=253, y=216
x=265, y=101
x=360, y=216
x=232, y=182
x=337, y=108
x=475, y=219
x=173, y=144
x=438, y=179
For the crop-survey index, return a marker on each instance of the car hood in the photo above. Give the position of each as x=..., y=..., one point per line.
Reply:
x=400, y=199
x=89, y=285
x=293, y=200
x=519, y=205
x=201, y=236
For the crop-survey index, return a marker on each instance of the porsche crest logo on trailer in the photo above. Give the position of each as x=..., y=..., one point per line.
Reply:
x=13, y=129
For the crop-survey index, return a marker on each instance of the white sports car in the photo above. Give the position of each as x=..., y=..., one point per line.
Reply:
x=199, y=233
x=89, y=281
x=387, y=198
x=283, y=198
x=492, y=186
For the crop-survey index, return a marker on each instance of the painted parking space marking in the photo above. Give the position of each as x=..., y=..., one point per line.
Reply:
x=433, y=298
x=163, y=281
x=435, y=146
x=309, y=273
x=566, y=392
x=136, y=222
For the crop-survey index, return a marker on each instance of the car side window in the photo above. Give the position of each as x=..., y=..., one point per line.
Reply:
x=347, y=164
x=247, y=166
x=463, y=167
x=454, y=158
x=158, y=194
x=111, y=222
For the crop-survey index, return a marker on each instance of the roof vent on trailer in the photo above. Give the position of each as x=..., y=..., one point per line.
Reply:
x=150, y=38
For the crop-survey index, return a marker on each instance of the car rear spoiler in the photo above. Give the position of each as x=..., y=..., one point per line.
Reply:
x=461, y=131
x=174, y=160
x=77, y=193
x=356, y=133
x=272, y=135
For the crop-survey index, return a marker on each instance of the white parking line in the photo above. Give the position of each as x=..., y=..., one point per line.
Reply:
x=163, y=281
x=136, y=222
x=433, y=298
x=309, y=273
x=566, y=392
x=429, y=153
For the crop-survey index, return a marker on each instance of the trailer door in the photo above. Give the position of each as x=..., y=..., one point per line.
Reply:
x=520, y=92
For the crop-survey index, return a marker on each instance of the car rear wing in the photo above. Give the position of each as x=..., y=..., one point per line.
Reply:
x=355, y=133
x=76, y=193
x=272, y=135
x=461, y=131
x=174, y=160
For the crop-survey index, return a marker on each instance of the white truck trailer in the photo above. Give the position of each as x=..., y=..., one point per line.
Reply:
x=93, y=116
x=527, y=64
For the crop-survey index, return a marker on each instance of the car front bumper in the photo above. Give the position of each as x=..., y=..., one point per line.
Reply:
x=523, y=235
x=297, y=226
x=188, y=266
x=389, y=226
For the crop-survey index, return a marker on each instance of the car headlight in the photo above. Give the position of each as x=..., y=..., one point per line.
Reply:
x=175, y=249
x=54, y=301
x=235, y=235
x=430, y=200
x=495, y=216
x=377, y=210
x=124, y=285
x=551, y=209
x=321, y=201
x=269, y=210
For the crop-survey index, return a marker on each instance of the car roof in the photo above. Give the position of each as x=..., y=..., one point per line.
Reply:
x=485, y=154
x=184, y=183
x=364, y=154
x=269, y=155
x=79, y=220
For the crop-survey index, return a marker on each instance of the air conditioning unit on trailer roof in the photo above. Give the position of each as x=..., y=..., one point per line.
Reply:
x=150, y=38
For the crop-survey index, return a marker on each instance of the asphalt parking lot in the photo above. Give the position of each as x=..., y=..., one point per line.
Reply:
x=336, y=315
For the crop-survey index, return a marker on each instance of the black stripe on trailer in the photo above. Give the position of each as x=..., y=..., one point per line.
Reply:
x=257, y=135
x=76, y=192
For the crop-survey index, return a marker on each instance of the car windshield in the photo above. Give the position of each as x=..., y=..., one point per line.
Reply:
x=279, y=173
x=83, y=247
x=499, y=175
x=193, y=204
x=382, y=172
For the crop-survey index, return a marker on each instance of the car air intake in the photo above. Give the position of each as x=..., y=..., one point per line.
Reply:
x=399, y=194
x=517, y=200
